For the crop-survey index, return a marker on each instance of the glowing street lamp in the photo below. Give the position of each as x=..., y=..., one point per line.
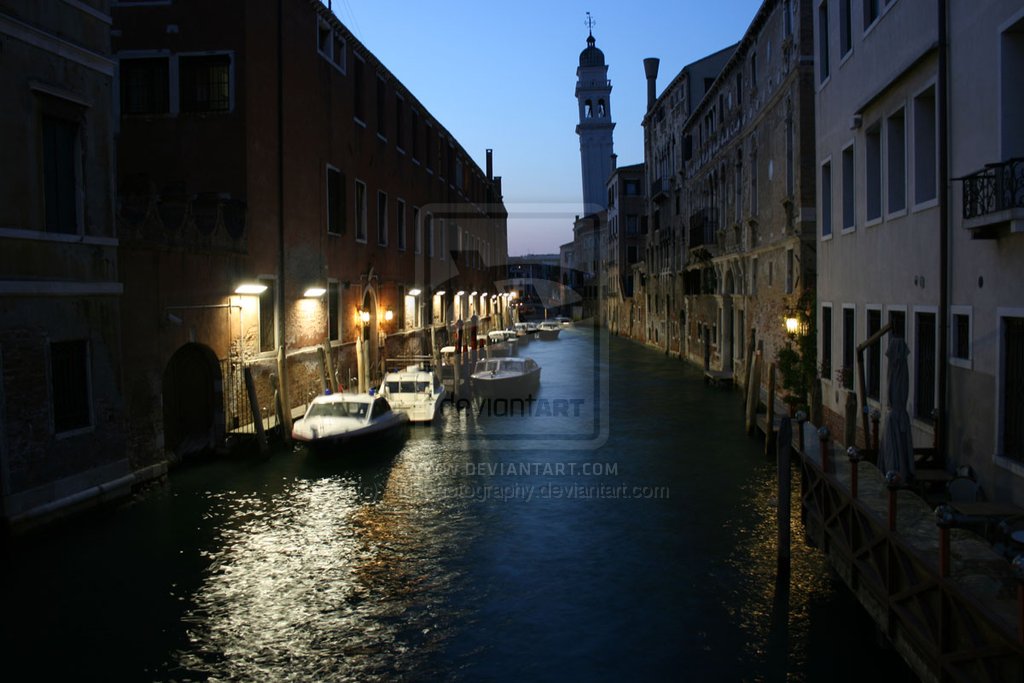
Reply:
x=250, y=288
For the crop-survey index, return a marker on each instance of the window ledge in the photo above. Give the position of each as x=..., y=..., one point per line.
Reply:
x=965, y=363
x=1014, y=466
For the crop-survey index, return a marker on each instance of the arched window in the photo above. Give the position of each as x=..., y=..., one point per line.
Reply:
x=588, y=109
x=600, y=108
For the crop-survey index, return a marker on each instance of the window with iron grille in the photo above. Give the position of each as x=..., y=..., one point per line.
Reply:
x=205, y=83
x=924, y=387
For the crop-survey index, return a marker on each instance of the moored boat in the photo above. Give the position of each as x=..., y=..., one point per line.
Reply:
x=505, y=377
x=415, y=391
x=342, y=423
x=548, y=330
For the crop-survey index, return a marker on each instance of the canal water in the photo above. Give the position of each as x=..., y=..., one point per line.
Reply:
x=619, y=526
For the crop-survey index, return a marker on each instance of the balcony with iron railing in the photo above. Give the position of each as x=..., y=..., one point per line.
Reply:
x=703, y=226
x=994, y=197
x=659, y=189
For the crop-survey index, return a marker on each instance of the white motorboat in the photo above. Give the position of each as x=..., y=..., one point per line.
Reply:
x=503, y=342
x=548, y=330
x=564, y=321
x=416, y=391
x=505, y=377
x=336, y=422
x=524, y=332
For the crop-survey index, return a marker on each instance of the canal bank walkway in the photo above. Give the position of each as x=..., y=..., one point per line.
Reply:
x=963, y=625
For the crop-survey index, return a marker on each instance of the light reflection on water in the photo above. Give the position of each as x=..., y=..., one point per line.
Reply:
x=447, y=561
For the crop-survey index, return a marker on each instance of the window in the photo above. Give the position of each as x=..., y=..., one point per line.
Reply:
x=360, y=211
x=382, y=218
x=69, y=383
x=414, y=135
x=873, y=371
x=400, y=223
x=849, y=345
x=1011, y=398
x=925, y=162
x=924, y=385
x=268, y=300
x=753, y=185
x=144, y=86
x=826, y=341
x=960, y=336
x=871, y=8
x=848, y=206
x=826, y=199
x=330, y=45
x=60, y=175
x=335, y=201
x=898, y=320
x=845, y=29
x=632, y=188
x=1011, y=101
x=896, y=153
x=334, y=317
x=358, y=89
x=771, y=273
x=399, y=121
x=790, y=268
x=823, y=67
x=417, y=240
x=442, y=237
x=753, y=70
x=873, y=171
x=204, y=83
x=753, y=275
x=632, y=224
x=339, y=53
x=790, y=165
x=428, y=234
x=381, y=101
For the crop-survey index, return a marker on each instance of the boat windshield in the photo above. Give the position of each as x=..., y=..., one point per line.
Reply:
x=338, y=409
x=486, y=366
x=404, y=386
x=512, y=365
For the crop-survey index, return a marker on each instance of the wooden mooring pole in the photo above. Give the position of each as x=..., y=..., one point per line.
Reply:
x=769, y=426
x=783, y=451
x=854, y=455
x=823, y=436
x=254, y=408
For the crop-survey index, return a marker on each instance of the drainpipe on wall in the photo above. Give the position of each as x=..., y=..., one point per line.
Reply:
x=942, y=428
x=283, y=385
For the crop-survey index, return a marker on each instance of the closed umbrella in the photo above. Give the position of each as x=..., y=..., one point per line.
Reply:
x=897, y=449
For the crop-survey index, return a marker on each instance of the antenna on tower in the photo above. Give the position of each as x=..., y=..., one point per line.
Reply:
x=590, y=23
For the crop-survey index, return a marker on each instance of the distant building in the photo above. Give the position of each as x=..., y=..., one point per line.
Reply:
x=282, y=195
x=664, y=244
x=748, y=197
x=62, y=398
x=627, y=224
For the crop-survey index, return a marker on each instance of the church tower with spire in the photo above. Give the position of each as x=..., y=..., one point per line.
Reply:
x=593, y=94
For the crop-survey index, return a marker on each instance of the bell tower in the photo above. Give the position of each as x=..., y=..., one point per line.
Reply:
x=593, y=95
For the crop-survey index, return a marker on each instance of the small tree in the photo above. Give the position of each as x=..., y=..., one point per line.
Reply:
x=797, y=360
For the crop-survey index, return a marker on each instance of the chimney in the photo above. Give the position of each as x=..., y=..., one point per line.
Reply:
x=651, y=69
x=490, y=164
x=615, y=158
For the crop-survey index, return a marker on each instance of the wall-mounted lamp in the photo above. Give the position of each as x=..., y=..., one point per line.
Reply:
x=440, y=293
x=364, y=316
x=415, y=292
x=250, y=288
x=388, y=315
x=794, y=325
x=314, y=292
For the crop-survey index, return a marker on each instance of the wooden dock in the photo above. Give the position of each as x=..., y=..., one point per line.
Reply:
x=718, y=378
x=946, y=600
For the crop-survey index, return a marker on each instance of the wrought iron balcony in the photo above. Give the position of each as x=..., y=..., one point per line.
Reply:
x=993, y=197
x=659, y=189
x=703, y=225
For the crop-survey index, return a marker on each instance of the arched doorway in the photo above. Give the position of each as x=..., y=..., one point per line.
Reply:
x=728, y=322
x=371, y=335
x=193, y=401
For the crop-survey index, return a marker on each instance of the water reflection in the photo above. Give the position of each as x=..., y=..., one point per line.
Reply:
x=311, y=568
